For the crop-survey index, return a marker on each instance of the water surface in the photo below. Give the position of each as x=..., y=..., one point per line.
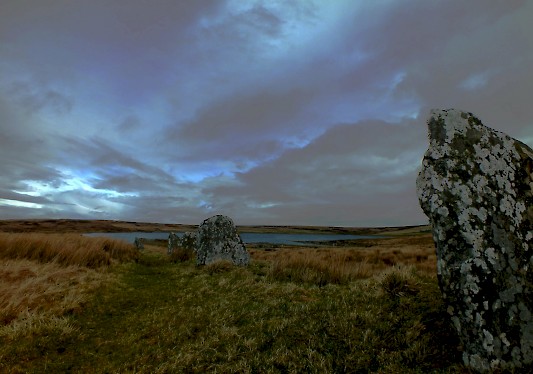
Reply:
x=247, y=237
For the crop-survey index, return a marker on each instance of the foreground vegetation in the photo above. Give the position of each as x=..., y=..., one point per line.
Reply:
x=46, y=277
x=358, y=308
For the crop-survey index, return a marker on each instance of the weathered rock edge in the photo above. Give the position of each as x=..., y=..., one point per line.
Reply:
x=476, y=188
x=218, y=240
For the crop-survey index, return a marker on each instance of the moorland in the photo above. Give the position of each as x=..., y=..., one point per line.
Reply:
x=70, y=303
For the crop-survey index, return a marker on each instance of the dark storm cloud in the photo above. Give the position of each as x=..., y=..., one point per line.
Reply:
x=345, y=168
x=24, y=150
x=253, y=115
x=244, y=129
x=129, y=123
x=127, y=49
x=32, y=100
x=10, y=195
x=97, y=154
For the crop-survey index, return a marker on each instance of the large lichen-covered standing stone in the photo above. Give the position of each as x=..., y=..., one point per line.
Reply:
x=218, y=240
x=476, y=188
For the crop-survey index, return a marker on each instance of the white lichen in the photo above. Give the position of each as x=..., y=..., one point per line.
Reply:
x=492, y=256
x=470, y=190
x=503, y=338
x=488, y=341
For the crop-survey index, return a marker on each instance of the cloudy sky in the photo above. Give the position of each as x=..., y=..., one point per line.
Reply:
x=272, y=112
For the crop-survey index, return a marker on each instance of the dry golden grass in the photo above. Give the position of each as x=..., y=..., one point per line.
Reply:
x=319, y=268
x=45, y=277
x=290, y=310
x=336, y=263
x=65, y=249
x=34, y=294
x=359, y=260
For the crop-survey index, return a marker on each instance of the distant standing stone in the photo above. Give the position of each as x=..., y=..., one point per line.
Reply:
x=173, y=243
x=218, y=240
x=138, y=242
x=476, y=187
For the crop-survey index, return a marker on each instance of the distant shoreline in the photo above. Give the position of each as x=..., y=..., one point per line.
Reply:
x=82, y=226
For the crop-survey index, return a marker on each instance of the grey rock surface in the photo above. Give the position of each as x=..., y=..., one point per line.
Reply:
x=173, y=243
x=476, y=187
x=139, y=243
x=218, y=240
x=188, y=240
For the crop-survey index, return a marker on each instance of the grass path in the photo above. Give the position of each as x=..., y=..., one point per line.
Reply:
x=166, y=317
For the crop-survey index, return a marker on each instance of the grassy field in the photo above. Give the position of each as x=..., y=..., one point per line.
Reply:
x=366, y=306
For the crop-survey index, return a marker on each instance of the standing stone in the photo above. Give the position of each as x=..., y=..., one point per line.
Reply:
x=218, y=240
x=138, y=242
x=173, y=243
x=476, y=187
x=188, y=241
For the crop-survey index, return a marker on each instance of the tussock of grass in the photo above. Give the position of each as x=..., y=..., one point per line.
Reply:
x=38, y=324
x=219, y=267
x=334, y=270
x=32, y=291
x=66, y=249
x=399, y=281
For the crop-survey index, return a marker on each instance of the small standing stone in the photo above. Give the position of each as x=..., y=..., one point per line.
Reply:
x=218, y=240
x=138, y=242
x=476, y=187
x=173, y=243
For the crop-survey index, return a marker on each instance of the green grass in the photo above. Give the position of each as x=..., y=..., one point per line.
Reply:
x=163, y=316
